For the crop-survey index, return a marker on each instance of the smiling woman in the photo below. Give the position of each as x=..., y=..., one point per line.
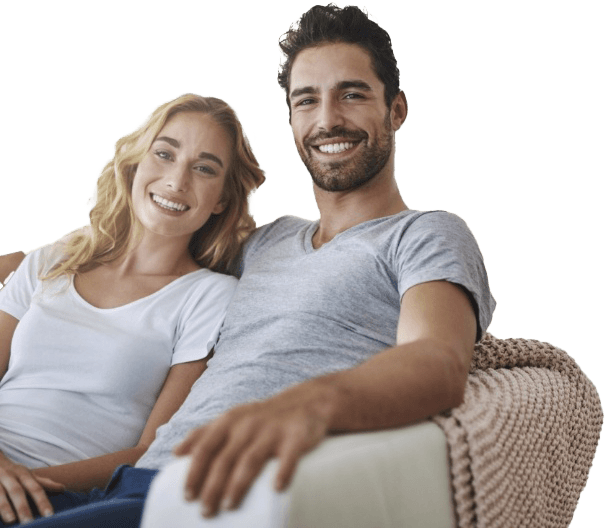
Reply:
x=138, y=287
x=179, y=183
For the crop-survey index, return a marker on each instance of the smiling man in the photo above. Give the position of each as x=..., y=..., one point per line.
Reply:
x=343, y=129
x=362, y=320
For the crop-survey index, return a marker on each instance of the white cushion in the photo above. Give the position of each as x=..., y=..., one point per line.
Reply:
x=395, y=478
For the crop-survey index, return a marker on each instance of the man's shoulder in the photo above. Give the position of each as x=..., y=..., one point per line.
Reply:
x=418, y=228
x=436, y=221
x=285, y=223
x=408, y=224
x=283, y=227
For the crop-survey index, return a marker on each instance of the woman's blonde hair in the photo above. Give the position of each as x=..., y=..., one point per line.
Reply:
x=113, y=223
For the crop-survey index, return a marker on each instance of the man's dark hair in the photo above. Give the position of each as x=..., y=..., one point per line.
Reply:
x=331, y=24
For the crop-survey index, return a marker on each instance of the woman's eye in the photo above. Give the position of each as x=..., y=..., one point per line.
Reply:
x=205, y=169
x=163, y=154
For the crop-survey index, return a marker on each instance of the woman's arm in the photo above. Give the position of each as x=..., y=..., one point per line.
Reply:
x=16, y=481
x=7, y=328
x=9, y=263
x=95, y=472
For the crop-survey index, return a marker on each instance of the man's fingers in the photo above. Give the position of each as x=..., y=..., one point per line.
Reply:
x=213, y=486
x=290, y=453
x=247, y=468
x=202, y=451
x=220, y=471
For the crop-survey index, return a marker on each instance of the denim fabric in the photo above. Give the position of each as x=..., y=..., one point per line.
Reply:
x=119, y=505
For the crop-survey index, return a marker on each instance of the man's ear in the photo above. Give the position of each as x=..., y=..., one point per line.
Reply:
x=399, y=110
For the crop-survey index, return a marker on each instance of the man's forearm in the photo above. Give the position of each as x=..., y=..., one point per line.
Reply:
x=403, y=384
x=423, y=375
x=398, y=386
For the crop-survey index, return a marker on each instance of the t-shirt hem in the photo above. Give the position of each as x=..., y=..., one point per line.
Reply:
x=470, y=288
x=14, y=310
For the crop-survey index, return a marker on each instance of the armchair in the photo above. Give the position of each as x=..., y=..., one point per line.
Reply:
x=516, y=453
x=383, y=479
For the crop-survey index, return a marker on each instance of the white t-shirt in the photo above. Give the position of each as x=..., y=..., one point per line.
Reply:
x=82, y=380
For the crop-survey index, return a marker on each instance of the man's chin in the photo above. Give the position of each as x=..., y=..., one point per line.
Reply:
x=339, y=182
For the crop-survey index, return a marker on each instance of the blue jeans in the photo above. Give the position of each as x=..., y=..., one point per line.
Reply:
x=119, y=505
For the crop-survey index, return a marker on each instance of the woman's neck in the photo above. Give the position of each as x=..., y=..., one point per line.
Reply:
x=157, y=256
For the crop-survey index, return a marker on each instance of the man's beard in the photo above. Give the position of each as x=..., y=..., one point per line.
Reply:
x=353, y=172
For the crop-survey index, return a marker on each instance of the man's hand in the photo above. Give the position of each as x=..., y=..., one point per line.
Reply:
x=228, y=453
x=16, y=484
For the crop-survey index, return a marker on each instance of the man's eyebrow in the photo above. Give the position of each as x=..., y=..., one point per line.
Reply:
x=306, y=90
x=342, y=85
x=360, y=85
x=201, y=155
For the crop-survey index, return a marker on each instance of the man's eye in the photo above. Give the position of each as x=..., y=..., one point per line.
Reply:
x=305, y=102
x=353, y=95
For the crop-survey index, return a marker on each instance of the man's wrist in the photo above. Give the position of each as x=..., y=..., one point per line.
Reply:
x=322, y=397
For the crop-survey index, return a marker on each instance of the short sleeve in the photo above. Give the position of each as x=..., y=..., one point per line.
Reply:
x=202, y=317
x=16, y=296
x=439, y=246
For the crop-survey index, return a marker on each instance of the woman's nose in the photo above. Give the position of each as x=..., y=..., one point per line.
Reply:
x=178, y=178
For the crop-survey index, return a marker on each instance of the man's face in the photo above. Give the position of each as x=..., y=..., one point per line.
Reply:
x=341, y=124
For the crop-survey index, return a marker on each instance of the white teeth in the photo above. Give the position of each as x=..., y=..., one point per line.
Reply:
x=167, y=204
x=335, y=148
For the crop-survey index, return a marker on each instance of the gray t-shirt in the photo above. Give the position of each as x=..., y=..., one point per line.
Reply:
x=299, y=313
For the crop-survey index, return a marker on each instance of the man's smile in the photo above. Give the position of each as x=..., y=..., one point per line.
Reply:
x=336, y=148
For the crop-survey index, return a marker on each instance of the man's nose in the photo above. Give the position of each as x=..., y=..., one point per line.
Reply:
x=330, y=115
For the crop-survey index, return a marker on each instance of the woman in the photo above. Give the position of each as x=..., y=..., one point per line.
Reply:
x=103, y=333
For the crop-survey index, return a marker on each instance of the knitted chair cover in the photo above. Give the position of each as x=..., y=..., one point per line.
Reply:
x=522, y=442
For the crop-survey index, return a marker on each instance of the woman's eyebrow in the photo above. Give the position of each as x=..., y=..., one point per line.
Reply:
x=212, y=157
x=201, y=155
x=170, y=141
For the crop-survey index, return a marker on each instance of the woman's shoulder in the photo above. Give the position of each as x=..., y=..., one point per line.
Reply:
x=205, y=279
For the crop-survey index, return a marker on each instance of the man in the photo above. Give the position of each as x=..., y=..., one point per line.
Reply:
x=363, y=320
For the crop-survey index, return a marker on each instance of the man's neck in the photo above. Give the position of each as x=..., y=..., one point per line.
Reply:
x=340, y=211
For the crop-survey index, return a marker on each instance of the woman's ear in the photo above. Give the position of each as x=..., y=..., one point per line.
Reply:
x=132, y=172
x=220, y=206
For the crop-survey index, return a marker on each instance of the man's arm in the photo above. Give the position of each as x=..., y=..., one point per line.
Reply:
x=9, y=263
x=424, y=374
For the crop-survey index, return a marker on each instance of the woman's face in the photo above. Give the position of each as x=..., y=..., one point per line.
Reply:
x=179, y=183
